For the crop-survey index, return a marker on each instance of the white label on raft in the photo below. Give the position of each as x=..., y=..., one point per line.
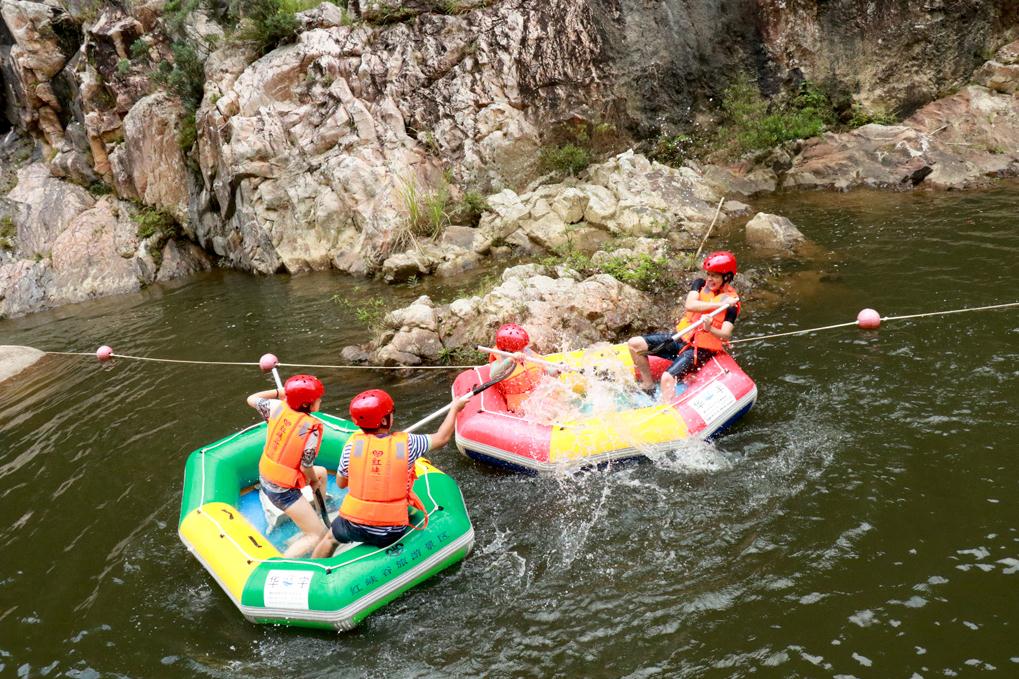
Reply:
x=712, y=402
x=287, y=589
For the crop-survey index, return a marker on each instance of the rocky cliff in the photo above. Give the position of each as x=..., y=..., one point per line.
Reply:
x=164, y=136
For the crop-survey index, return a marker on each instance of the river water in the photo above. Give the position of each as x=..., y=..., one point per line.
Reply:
x=862, y=520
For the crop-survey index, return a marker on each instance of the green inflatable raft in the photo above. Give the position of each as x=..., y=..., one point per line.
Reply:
x=223, y=524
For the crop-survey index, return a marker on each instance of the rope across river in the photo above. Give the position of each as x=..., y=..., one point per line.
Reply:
x=867, y=319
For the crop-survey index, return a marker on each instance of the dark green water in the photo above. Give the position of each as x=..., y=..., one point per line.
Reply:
x=862, y=520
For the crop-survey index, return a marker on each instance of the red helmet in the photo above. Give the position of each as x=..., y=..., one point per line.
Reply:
x=722, y=261
x=303, y=390
x=369, y=408
x=511, y=337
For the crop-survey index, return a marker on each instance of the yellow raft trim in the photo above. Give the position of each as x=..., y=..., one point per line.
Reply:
x=226, y=542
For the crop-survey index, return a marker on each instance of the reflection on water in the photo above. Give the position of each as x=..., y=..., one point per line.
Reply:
x=860, y=520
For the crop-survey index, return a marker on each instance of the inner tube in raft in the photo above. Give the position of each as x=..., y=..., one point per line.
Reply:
x=707, y=402
x=222, y=523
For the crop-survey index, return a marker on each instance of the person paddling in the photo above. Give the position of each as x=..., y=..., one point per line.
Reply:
x=706, y=295
x=287, y=464
x=524, y=375
x=378, y=466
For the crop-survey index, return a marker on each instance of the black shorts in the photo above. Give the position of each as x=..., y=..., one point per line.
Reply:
x=346, y=531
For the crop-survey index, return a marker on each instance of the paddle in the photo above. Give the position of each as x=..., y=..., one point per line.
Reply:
x=531, y=359
x=318, y=494
x=474, y=392
x=679, y=335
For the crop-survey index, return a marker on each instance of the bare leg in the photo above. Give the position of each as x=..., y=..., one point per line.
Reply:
x=310, y=523
x=638, y=352
x=668, y=387
x=325, y=547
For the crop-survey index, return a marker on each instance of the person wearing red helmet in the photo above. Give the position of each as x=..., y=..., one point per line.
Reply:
x=377, y=465
x=288, y=464
x=706, y=294
x=523, y=375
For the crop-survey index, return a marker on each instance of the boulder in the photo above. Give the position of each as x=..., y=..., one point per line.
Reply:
x=14, y=359
x=773, y=232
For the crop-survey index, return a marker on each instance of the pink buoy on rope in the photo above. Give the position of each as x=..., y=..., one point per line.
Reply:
x=268, y=362
x=104, y=353
x=868, y=319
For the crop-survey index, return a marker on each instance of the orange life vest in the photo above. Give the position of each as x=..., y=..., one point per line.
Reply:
x=520, y=383
x=284, y=444
x=380, y=481
x=702, y=339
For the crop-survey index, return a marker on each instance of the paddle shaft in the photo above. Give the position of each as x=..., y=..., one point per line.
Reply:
x=444, y=409
x=530, y=359
x=679, y=335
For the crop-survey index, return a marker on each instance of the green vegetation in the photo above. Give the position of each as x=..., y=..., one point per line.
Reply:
x=188, y=131
x=271, y=23
x=139, y=50
x=568, y=159
x=8, y=232
x=574, y=146
x=123, y=66
x=158, y=225
x=100, y=188
x=175, y=15
x=367, y=310
x=384, y=14
x=184, y=77
x=465, y=356
x=155, y=222
x=469, y=209
x=642, y=271
x=750, y=122
x=427, y=213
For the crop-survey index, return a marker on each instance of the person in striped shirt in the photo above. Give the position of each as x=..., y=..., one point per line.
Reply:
x=377, y=467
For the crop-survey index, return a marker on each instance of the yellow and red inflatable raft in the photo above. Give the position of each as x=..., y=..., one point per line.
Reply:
x=706, y=403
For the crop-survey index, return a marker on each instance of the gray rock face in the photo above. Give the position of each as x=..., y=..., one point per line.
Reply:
x=35, y=58
x=955, y=142
x=326, y=145
x=863, y=45
x=627, y=195
x=149, y=166
x=182, y=259
x=45, y=207
x=72, y=247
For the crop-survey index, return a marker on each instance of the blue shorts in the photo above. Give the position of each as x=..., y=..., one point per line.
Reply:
x=345, y=531
x=283, y=500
